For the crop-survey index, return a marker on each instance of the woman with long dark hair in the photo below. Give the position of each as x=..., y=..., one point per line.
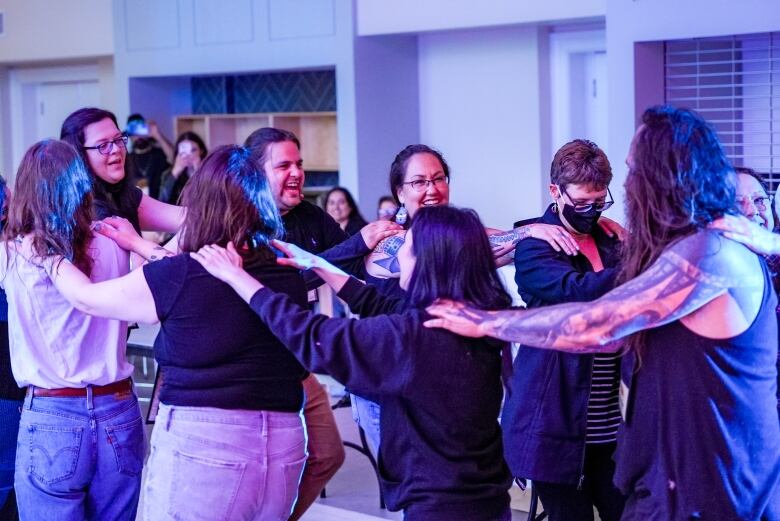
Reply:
x=341, y=206
x=95, y=134
x=229, y=441
x=81, y=438
x=700, y=438
x=441, y=456
x=190, y=153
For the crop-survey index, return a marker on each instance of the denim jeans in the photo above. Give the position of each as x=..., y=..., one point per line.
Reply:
x=79, y=458
x=218, y=465
x=9, y=429
x=366, y=414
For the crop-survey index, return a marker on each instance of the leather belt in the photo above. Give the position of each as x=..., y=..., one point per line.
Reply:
x=121, y=386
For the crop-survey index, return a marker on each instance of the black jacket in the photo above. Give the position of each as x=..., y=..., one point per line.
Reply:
x=545, y=411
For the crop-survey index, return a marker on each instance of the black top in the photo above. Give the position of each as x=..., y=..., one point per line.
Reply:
x=113, y=204
x=172, y=187
x=441, y=455
x=354, y=224
x=309, y=227
x=701, y=438
x=148, y=164
x=545, y=412
x=213, y=350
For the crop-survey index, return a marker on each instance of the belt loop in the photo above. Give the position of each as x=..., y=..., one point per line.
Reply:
x=264, y=416
x=168, y=419
x=30, y=395
x=90, y=404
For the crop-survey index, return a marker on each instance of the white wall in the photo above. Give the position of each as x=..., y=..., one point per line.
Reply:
x=400, y=16
x=629, y=23
x=480, y=105
x=37, y=30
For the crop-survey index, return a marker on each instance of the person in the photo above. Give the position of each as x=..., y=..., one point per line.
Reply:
x=699, y=376
x=229, y=440
x=11, y=396
x=94, y=133
x=419, y=177
x=278, y=154
x=564, y=406
x=81, y=437
x=753, y=198
x=386, y=208
x=191, y=150
x=341, y=206
x=441, y=456
x=149, y=155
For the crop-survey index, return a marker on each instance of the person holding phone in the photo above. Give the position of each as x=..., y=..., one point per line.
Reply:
x=148, y=156
x=190, y=151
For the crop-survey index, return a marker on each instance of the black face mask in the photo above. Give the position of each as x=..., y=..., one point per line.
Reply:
x=581, y=222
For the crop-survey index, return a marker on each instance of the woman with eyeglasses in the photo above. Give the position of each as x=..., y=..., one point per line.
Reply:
x=103, y=148
x=564, y=407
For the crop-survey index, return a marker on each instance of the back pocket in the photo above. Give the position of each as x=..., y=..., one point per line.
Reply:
x=203, y=489
x=127, y=441
x=54, y=452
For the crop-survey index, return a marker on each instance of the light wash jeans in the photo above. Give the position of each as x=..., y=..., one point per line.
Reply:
x=79, y=458
x=9, y=430
x=366, y=414
x=221, y=465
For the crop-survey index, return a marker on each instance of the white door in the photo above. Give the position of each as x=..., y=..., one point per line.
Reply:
x=54, y=102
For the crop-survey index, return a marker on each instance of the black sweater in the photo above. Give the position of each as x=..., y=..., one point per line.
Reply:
x=441, y=454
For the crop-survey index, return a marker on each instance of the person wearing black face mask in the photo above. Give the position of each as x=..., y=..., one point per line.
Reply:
x=561, y=413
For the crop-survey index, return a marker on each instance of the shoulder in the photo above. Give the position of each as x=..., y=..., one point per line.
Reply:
x=708, y=252
x=170, y=269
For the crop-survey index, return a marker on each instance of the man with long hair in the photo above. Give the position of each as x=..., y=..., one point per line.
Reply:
x=700, y=438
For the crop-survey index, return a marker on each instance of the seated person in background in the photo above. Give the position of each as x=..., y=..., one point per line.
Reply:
x=340, y=205
x=386, y=208
x=563, y=407
x=441, y=456
x=190, y=152
x=149, y=153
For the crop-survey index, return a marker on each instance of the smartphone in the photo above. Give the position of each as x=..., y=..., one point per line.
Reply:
x=186, y=148
x=137, y=127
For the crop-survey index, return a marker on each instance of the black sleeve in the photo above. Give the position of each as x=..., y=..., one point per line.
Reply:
x=136, y=194
x=550, y=276
x=167, y=186
x=366, y=301
x=165, y=279
x=367, y=355
x=348, y=256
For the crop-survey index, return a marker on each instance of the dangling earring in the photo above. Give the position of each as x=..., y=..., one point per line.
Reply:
x=554, y=208
x=401, y=215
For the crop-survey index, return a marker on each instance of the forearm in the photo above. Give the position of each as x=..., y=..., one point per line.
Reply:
x=332, y=276
x=150, y=251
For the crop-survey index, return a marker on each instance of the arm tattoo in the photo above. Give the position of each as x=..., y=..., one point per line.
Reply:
x=389, y=247
x=670, y=289
x=500, y=239
x=158, y=252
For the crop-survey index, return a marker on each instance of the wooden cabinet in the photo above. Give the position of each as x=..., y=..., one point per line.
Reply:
x=316, y=130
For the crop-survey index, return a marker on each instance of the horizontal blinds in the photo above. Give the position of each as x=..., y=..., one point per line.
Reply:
x=734, y=82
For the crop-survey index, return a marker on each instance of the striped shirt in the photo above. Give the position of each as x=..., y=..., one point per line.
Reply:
x=603, y=409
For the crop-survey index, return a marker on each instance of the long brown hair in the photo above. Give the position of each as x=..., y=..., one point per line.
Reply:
x=53, y=202
x=228, y=199
x=679, y=181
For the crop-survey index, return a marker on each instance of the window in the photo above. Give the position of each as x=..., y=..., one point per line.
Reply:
x=733, y=82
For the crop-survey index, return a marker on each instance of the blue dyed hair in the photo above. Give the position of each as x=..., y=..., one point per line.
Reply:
x=52, y=202
x=229, y=199
x=453, y=260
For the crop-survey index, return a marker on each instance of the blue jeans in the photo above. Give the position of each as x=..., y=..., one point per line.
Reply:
x=209, y=464
x=9, y=428
x=79, y=458
x=366, y=414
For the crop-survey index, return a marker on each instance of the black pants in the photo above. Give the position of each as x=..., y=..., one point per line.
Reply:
x=566, y=503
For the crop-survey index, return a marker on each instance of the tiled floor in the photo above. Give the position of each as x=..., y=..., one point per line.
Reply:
x=353, y=493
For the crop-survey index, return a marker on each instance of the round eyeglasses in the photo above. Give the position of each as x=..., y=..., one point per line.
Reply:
x=759, y=201
x=107, y=147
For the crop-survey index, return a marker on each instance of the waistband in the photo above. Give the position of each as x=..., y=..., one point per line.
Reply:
x=120, y=386
x=215, y=415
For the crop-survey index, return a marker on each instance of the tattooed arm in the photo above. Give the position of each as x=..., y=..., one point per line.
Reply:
x=382, y=263
x=689, y=275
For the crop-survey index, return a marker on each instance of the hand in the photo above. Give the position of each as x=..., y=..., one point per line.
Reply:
x=180, y=164
x=119, y=230
x=154, y=130
x=744, y=231
x=296, y=257
x=376, y=231
x=219, y=262
x=613, y=228
x=456, y=317
x=556, y=236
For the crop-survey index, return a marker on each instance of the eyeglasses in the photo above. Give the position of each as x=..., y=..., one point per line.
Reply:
x=759, y=201
x=586, y=207
x=108, y=147
x=421, y=185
